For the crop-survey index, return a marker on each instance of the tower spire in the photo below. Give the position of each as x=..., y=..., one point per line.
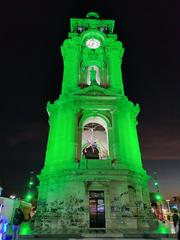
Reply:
x=92, y=15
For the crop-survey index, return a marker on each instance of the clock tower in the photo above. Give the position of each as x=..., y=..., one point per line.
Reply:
x=93, y=176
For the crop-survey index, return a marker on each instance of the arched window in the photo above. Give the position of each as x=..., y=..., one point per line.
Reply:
x=95, y=138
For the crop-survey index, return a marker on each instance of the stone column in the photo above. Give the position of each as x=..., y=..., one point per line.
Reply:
x=71, y=68
x=110, y=142
x=114, y=60
x=126, y=143
x=62, y=136
x=119, y=140
x=134, y=142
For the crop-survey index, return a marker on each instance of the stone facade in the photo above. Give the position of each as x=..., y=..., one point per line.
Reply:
x=110, y=190
x=65, y=207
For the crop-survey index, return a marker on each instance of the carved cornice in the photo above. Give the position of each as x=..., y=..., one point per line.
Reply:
x=71, y=51
x=124, y=105
x=61, y=105
x=96, y=175
x=99, y=102
x=94, y=90
x=115, y=50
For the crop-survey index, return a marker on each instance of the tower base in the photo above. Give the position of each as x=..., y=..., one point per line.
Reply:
x=79, y=201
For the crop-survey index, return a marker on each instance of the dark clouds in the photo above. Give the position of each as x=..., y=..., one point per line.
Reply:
x=168, y=176
x=22, y=150
x=159, y=142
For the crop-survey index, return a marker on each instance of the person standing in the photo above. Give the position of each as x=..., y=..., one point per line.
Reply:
x=175, y=218
x=179, y=228
x=17, y=220
x=3, y=226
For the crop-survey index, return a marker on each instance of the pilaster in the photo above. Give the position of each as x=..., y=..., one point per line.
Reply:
x=114, y=60
x=71, y=56
x=62, y=136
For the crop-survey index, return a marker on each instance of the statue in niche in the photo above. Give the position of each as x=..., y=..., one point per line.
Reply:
x=93, y=76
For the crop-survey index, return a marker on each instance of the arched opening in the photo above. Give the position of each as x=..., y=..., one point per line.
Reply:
x=95, y=138
x=93, y=75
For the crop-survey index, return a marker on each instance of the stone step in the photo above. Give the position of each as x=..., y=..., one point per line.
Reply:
x=112, y=236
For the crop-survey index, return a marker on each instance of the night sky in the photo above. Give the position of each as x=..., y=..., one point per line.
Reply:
x=31, y=74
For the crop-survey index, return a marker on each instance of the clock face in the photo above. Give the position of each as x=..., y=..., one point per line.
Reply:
x=93, y=43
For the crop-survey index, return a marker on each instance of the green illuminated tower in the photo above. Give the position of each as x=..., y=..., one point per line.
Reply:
x=93, y=177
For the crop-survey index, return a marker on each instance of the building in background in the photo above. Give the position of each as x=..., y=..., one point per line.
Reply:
x=8, y=206
x=93, y=176
x=174, y=203
x=157, y=200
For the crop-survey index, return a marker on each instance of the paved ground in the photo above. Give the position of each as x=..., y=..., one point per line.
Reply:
x=104, y=238
x=163, y=232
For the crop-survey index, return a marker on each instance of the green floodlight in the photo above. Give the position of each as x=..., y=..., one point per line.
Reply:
x=158, y=197
x=31, y=183
x=29, y=196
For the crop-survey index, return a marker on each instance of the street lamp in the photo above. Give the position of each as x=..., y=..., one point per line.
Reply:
x=12, y=196
x=29, y=196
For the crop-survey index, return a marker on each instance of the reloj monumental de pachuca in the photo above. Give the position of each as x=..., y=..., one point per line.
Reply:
x=93, y=177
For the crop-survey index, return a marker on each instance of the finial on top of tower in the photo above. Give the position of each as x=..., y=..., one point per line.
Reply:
x=92, y=15
x=91, y=21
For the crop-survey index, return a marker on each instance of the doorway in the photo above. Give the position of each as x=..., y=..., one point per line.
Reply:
x=96, y=209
